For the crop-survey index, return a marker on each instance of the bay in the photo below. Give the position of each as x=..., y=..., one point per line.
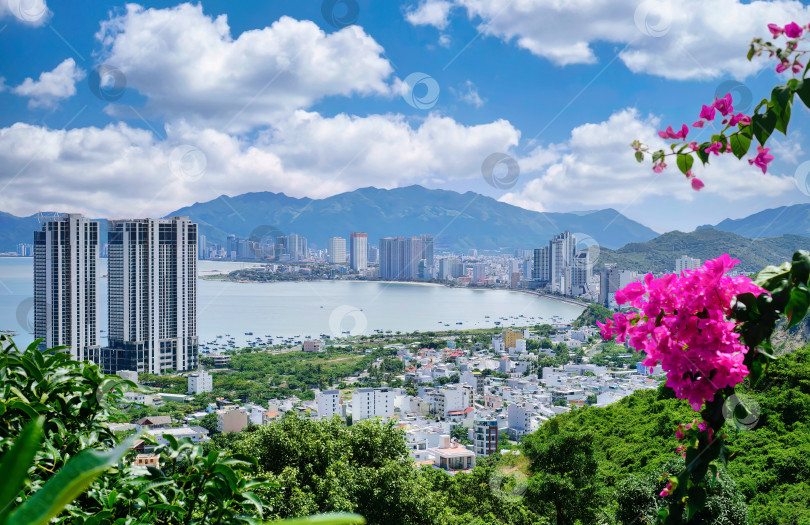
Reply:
x=303, y=309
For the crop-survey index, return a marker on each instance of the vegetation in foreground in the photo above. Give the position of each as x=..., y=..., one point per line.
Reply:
x=591, y=465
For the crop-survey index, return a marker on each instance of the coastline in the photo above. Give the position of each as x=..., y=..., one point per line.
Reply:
x=567, y=300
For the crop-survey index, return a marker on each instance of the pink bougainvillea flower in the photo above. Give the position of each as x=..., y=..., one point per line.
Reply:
x=775, y=30
x=762, y=159
x=707, y=112
x=683, y=323
x=797, y=67
x=745, y=120
x=715, y=148
x=683, y=132
x=723, y=105
x=735, y=119
x=659, y=167
x=783, y=66
x=697, y=184
x=694, y=146
x=698, y=124
x=793, y=30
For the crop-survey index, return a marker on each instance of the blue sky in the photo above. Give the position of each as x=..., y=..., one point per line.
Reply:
x=227, y=97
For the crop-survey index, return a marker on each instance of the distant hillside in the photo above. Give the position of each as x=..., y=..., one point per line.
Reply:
x=768, y=223
x=458, y=221
x=659, y=254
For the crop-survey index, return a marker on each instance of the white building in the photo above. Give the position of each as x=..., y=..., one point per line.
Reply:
x=66, y=286
x=359, y=251
x=329, y=404
x=200, y=382
x=372, y=402
x=453, y=398
x=129, y=375
x=195, y=434
x=485, y=437
x=519, y=419
x=152, y=295
x=336, y=247
x=313, y=345
x=686, y=263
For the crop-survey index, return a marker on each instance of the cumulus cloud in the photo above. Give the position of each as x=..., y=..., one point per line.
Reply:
x=101, y=171
x=52, y=86
x=189, y=66
x=468, y=93
x=688, y=39
x=595, y=168
x=430, y=13
x=30, y=12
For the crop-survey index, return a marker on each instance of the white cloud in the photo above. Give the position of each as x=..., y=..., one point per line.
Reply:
x=596, y=168
x=693, y=39
x=787, y=149
x=101, y=171
x=189, y=65
x=30, y=12
x=430, y=13
x=444, y=40
x=52, y=86
x=468, y=93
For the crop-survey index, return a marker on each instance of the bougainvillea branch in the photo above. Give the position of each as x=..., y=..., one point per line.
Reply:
x=734, y=132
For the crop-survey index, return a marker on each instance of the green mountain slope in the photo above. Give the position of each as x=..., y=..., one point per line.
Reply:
x=659, y=254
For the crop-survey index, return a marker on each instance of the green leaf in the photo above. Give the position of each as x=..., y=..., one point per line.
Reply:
x=67, y=484
x=797, y=305
x=800, y=269
x=701, y=153
x=740, y=144
x=770, y=272
x=639, y=156
x=783, y=120
x=684, y=162
x=16, y=462
x=336, y=518
x=803, y=90
x=751, y=52
x=658, y=155
x=763, y=124
x=780, y=98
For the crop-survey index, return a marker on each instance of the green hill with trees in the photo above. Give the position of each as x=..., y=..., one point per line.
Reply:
x=659, y=254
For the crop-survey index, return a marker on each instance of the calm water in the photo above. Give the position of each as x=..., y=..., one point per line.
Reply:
x=304, y=309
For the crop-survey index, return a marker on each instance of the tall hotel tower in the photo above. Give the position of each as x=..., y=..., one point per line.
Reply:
x=152, y=295
x=65, y=285
x=359, y=251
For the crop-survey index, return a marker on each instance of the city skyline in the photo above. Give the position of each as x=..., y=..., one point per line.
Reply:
x=355, y=85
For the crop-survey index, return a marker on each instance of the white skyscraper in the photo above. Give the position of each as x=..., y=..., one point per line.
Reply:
x=337, y=250
x=65, y=285
x=152, y=295
x=359, y=251
x=686, y=263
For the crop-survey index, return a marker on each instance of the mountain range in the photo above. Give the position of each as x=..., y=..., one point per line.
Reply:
x=458, y=221
x=659, y=254
x=767, y=223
